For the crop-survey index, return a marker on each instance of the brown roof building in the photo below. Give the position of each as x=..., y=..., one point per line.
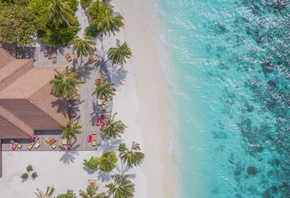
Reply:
x=26, y=103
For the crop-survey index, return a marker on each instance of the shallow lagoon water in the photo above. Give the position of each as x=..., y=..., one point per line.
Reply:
x=232, y=67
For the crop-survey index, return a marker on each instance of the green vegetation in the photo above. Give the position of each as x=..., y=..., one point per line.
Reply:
x=83, y=46
x=92, y=30
x=48, y=193
x=65, y=84
x=68, y=194
x=70, y=130
x=24, y=176
x=29, y=168
x=107, y=162
x=34, y=175
x=92, y=163
x=18, y=24
x=91, y=192
x=104, y=90
x=113, y=129
x=86, y=3
x=119, y=53
x=131, y=157
x=121, y=188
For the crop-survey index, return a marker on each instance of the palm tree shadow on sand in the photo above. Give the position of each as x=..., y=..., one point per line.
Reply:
x=118, y=75
x=69, y=155
x=110, y=145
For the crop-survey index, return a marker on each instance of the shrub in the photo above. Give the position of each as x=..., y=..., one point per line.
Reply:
x=24, y=176
x=107, y=162
x=29, y=168
x=91, y=163
x=86, y=3
x=92, y=30
x=68, y=194
x=34, y=175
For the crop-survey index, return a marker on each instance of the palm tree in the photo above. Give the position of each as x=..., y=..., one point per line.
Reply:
x=118, y=54
x=91, y=192
x=110, y=24
x=112, y=129
x=131, y=157
x=121, y=188
x=48, y=193
x=104, y=90
x=65, y=84
x=107, y=162
x=70, y=130
x=84, y=46
x=60, y=11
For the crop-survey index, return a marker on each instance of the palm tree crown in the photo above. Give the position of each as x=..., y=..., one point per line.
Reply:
x=83, y=46
x=119, y=54
x=91, y=192
x=65, y=84
x=48, y=193
x=131, y=157
x=107, y=162
x=113, y=129
x=70, y=130
x=104, y=90
x=110, y=24
x=59, y=12
x=122, y=187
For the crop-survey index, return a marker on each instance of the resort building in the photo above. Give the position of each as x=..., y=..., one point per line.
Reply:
x=26, y=102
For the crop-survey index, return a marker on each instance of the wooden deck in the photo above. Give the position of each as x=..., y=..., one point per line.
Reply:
x=86, y=109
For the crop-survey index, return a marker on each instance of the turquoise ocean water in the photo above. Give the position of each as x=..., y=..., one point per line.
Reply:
x=232, y=67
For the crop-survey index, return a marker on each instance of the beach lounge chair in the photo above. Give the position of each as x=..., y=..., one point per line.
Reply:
x=94, y=142
x=36, y=145
x=49, y=55
x=19, y=145
x=30, y=146
x=13, y=147
x=68, y=57
x=90, y=138
x=53, y=146
x=47, y=140
x=100, y=101
x=64, y=141
x=68, y=147
x=12, y=141
x=36, y=137
x=54, y=60
x=104, y=106
x=98, y=122
x=92, y=183
x=53, y=140
x=94, y=132
x=74, y=59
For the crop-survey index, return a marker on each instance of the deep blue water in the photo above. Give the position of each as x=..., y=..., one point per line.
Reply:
x=232, y=65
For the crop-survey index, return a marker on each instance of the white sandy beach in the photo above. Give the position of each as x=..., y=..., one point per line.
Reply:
x=141, y=104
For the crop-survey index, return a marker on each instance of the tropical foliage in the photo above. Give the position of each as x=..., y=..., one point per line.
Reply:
x=91, y=192
x=113, y=129
x=92, y=163
x=24, y=176
x=70, y=130
x=65, y=84
x=131, y=157
x=18, y=24
x=121, y=188
x=48, y=193
x=86, y=3
x=60, y=12
x=68, y=194
x=110, y=24
x=104, y=90
x=107, y=162
x=119, y=53
x=83, y=46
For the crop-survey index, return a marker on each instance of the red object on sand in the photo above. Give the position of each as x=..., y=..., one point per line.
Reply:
x=53, y=140
x=90, y=138
x=102, y=116
x=68, y=147
x=98, y=122
x=102, y=126
x=13, y=147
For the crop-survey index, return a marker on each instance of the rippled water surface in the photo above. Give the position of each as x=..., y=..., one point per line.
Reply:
x=232, y=61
